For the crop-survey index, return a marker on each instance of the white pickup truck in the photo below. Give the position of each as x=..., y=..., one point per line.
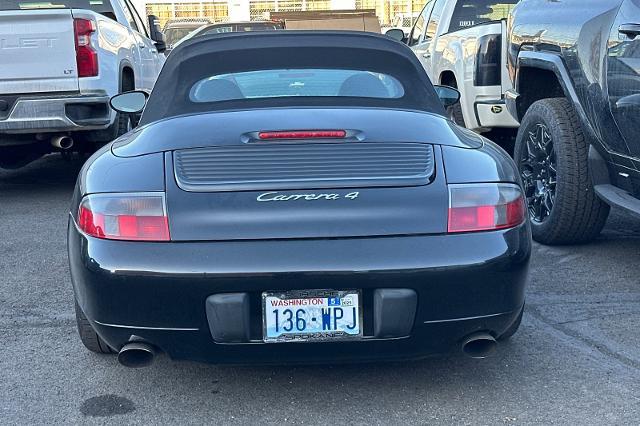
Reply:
x=462, y=43
x=60, y=62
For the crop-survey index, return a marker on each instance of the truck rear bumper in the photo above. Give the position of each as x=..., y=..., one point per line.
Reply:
x=490, y=114
x=511, y=100
x=58, y=113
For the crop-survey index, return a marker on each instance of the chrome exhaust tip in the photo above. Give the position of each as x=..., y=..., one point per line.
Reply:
x=62, y=142
x=479, y=345
x=136, y=355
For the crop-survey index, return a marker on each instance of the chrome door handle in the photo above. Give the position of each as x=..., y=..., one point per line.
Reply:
x=426, y=55
x=142, y=46
x=630, y=30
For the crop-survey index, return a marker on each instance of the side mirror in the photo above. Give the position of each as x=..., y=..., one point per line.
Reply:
x=396, y=34
x=156, y=33
x=448, y=95
x=129, y=102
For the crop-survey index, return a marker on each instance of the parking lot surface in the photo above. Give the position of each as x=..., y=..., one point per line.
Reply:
x=574, y=360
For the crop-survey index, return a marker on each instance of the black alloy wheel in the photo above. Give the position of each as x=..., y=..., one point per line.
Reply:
x=538, y=169
x=551, y=152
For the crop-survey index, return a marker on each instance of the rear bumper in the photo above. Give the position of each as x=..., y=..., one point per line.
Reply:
x=158, y=291
x=490, y=114
x=511, y=101
x=56, y=113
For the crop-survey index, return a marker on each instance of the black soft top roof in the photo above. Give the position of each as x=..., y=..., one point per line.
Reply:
x=202, y=57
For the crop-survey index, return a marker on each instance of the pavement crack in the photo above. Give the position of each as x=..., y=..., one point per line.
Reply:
x=582, y=302
x=14, y=323
x=598, y=317
x=594, y=345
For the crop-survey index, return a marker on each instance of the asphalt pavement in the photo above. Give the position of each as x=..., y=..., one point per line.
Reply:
x=575, y=360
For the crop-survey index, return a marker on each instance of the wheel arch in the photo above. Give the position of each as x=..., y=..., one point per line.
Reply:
x=126, y=73
x=543, y=75
x=448, y=78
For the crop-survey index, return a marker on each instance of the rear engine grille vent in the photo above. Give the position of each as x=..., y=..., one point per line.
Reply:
x=303, y=166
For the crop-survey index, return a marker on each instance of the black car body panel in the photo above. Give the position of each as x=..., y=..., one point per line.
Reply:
x=347, y=211
x=157, y=291
x=104, y=172
x=365, y=212
x=237, y=127
x=487, y=165
x=586, y=48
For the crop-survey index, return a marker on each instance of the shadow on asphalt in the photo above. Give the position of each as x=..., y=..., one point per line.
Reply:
x=53, y=169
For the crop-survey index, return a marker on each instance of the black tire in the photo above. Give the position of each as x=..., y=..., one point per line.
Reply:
x=88, y=336
x=572, y=213
x=513, y=328
x=455, y=114
x=122, y=124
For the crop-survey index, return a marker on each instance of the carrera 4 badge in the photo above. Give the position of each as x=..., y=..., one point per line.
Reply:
x=276, y=196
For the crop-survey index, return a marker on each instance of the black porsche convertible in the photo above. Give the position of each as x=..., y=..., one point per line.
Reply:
x=296, y=197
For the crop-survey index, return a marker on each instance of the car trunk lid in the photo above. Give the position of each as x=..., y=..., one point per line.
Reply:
x=305, y=189
x=385, y=176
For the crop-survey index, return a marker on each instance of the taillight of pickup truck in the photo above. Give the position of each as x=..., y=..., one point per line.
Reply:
x=86, y=55
x=488, y=61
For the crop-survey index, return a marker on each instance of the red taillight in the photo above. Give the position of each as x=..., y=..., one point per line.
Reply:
x=303, y=134
x=485, y=207
x=135, y=217
x=86, y=56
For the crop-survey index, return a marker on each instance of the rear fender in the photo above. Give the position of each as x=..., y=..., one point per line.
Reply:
x=104, y=172
x=490, y=164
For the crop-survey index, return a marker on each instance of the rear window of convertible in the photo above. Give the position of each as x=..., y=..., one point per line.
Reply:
x=277, y=83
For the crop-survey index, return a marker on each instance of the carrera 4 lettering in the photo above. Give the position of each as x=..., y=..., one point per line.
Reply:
x=276, y=196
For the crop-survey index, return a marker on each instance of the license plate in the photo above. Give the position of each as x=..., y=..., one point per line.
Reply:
x=311, y=315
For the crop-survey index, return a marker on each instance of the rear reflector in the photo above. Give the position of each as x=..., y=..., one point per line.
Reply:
x=485, y=207
x=134, y=217
x=86, y=56
x=303, y=134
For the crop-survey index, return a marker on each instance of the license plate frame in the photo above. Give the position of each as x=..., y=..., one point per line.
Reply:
x=307, y=337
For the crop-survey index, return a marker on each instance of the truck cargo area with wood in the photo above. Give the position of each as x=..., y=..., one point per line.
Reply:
x=354, y=20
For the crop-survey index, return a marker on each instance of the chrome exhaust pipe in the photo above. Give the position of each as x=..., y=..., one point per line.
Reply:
x=62, y=142
x=136, y=355
x=479, y=345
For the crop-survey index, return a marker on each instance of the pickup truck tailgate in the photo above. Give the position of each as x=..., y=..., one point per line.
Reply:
x=37, y=51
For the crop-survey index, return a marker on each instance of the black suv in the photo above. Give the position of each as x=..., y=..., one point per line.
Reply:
x=575, y=68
